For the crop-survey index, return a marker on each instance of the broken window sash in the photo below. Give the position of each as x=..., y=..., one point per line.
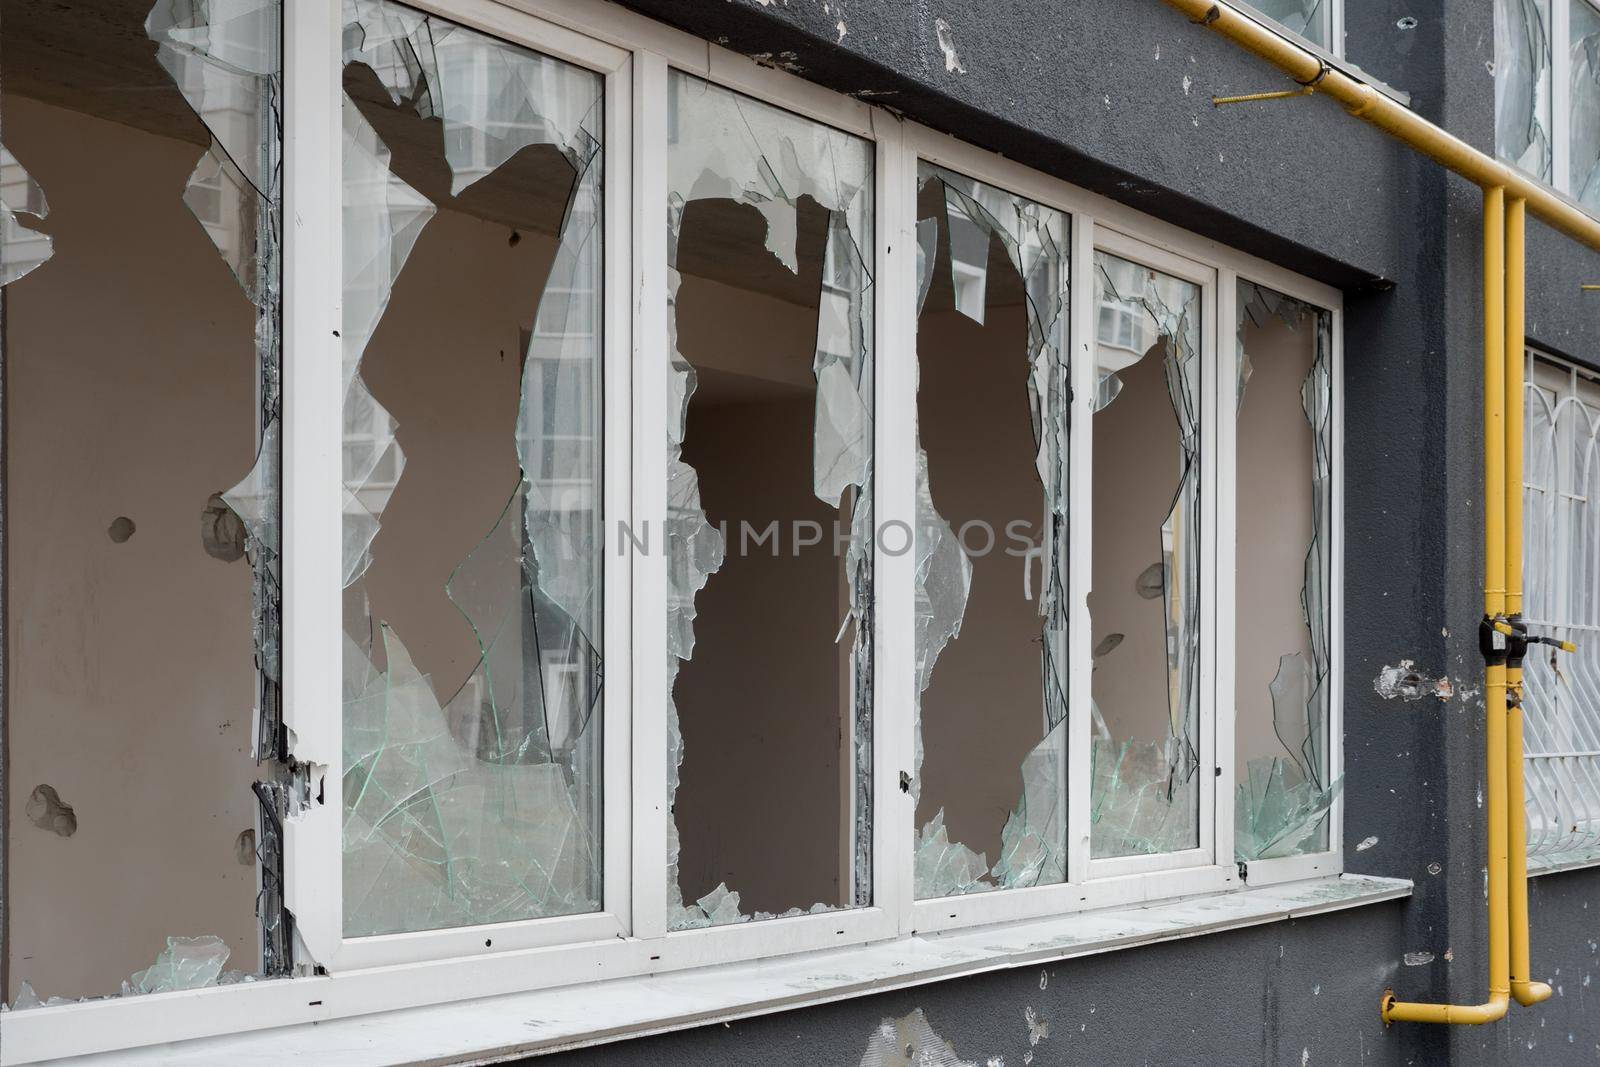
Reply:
x=1584, y=100
x=1032, y=839
x=227, y=62
x=485, y=806
x=1285, y=785
x=726, y=147
x=1522, y=84
x=1145, y=786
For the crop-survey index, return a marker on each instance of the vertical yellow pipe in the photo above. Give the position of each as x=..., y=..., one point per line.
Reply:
x=1494, y=603
x=1523, y=988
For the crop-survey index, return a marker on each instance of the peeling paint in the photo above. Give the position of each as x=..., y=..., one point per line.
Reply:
x=947, y=45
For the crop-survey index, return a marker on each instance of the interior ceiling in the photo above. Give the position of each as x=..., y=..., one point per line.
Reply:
x=92, y=57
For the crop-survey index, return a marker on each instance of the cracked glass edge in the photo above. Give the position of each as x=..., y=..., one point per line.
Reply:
x=1144, y=795
x=763, y=157
x=421, y=847
x=1281, y=808
x=1522, y=84
x=1033, y=838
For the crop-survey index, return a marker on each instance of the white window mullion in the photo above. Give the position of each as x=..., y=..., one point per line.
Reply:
x=312, y=462
x=650, y=359
x=1082, y=321
x=1561, y=94
x=618, y=702
x=1212, y=477
x=1223, y=380
x=894, y=517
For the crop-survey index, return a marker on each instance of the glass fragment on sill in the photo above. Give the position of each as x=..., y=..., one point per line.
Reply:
x=186, y=963
x=1144, y=791
x=1522, y=84
x=1282, y=800
x=22, y=248
x=484, y=807
x=1033, y=837
x=226, y=62
x=767, y=159
x=1584, y=101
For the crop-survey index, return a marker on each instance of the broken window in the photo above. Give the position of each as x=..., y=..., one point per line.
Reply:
x=471, y=473
x=1311, y=19
x=141, y=711
x=989, y=776
x=1522, y=83
x=1144, y=597
x=769, y=761
x=1584, y=151
x=1283, y=526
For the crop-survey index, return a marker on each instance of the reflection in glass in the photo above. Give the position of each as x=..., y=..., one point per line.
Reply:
x=1144, y=598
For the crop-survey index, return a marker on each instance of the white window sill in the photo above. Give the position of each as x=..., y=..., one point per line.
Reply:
x=499, y=1028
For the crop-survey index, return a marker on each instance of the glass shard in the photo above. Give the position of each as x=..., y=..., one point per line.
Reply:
x=21, y=247
x=484, y=806
x=1309, y=18
x=1522, y=83
x=1145, y=787
x=186, y=963
x=968, y=407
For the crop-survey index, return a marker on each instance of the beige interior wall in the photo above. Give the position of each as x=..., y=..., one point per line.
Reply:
x=762, y=801
x=1274, y=527
x=1137, y=461
x=130, y=367
x=984, y=710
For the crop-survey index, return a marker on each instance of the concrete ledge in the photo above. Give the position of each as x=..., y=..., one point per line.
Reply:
x=522, y=1024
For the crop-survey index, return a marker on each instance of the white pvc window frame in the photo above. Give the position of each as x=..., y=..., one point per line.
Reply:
x=341, y=977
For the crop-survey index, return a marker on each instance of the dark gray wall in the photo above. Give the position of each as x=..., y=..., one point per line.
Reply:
x=1093, y=92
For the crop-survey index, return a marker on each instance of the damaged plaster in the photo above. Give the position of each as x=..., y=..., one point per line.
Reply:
x=1405, y=682
x=46, y=810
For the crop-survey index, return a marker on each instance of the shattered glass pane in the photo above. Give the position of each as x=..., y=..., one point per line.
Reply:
x=1522, y=85
x=1284, y=786
x=1000, y=777
x=472, y=786
x=22, y=248
x=1145, y=791
x=1311, y=19
x=770, y=301
x=1584, y=152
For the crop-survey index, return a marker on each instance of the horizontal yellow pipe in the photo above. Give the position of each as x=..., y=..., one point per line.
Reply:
x=1368, y=104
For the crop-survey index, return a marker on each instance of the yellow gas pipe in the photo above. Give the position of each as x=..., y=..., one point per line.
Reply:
x=1504, y=231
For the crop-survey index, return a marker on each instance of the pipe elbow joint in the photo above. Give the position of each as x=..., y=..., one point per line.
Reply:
x=1493, y=1010
x=1530, y=993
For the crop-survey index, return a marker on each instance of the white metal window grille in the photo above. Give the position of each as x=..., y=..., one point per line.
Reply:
x=1561, y=565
